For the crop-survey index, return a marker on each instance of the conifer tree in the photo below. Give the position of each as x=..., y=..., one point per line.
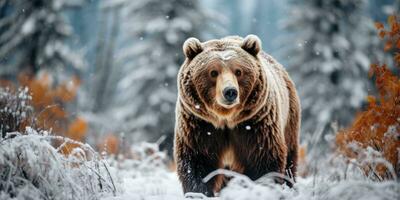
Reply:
x=33, y=35
x=151, y=55
x=329, y=56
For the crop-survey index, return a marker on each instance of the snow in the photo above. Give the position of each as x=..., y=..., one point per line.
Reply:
x=330, y=49
x=392, y=132
x=28, y=27
x=330, y=177
x=165, y=185
x=14, y=106
x=32, y=168
x=160, y=186
x=45, y=23
x=226, y=55
x=146, y=174
x=329, y=67
x=149, y=54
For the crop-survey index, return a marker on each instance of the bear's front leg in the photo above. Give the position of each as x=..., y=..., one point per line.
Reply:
x=192, y=167
x=268, y=152
x=266, y=163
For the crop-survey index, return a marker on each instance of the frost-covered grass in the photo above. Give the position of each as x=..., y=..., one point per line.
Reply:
x=330, y=177
x=311, y=188
x=15, y=109
x=164, y=184
x=32, y=167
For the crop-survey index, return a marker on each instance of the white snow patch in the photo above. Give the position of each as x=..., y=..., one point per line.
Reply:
x=227, y=55
x=32, y=168
x=28, y=27
x=165, y=185
x=392, y=132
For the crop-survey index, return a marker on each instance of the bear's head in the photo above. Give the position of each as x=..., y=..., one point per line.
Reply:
x=222, y=81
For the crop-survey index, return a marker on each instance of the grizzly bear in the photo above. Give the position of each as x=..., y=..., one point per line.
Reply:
x=237, y=109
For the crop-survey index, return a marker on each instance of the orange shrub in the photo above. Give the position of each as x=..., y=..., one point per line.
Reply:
x=49, y=101
x=110, y=143
x=76, y=131
x=302, y=169
x=378, y=127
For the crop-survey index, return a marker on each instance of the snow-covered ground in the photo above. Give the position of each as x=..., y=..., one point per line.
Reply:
x=150, y=179
x=165, y=185
x=32, y=167
x=160, y=185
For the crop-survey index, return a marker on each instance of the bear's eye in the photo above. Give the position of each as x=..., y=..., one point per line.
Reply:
x=238, y=72
x=213, y=73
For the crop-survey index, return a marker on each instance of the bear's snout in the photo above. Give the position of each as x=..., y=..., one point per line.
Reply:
x=227, y=88
x=230, y=94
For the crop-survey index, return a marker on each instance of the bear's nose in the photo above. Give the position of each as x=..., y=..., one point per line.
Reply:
x=230, y=94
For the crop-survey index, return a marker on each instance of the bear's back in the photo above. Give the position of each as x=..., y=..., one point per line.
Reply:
x=277, y=78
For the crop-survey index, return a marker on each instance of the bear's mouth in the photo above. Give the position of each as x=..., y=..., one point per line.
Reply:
x=227, y=104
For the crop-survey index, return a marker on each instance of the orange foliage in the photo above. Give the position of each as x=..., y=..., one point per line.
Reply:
x=110, y=143
x=49, y=102
x=7, y=84
x=302, y=154
x=77, y=129
x=379, y=126
x=302, y=169
x=171, y=166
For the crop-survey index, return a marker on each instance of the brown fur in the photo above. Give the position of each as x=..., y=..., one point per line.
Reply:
x=256, y=135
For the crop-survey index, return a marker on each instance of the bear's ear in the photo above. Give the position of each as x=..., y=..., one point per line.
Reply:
x=192, y=47
x=252, y=44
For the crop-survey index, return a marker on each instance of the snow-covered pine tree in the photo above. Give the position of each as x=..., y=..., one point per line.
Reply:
x=154, y=32
x=380, y=10
x=97, y=101
x=104, y=84
x=33, y=35
x=329, y=54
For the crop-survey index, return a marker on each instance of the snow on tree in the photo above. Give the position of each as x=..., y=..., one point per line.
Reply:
x=329, y=58
x=33, y=35
x=151, y=55
x=379, y=10
x=103, y=83
x=377, y=129
x=95, y=102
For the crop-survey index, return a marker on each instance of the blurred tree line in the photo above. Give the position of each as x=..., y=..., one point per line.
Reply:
x=125, y=54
